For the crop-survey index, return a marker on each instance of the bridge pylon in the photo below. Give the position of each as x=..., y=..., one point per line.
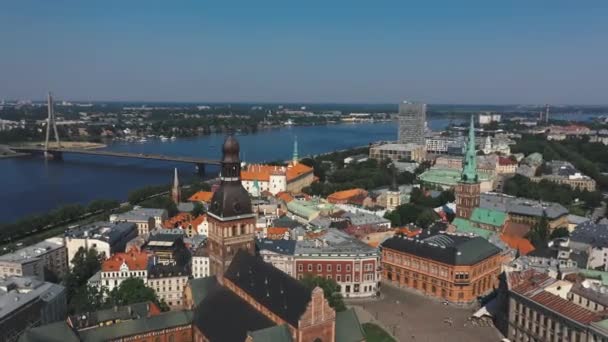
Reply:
x=50, y=121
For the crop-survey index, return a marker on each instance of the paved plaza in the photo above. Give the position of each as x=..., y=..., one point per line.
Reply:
x=413, y=317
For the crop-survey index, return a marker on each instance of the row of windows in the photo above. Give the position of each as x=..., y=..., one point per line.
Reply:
x=417, y=264
x=329, y=267
x=123, y=274
x=168, y=282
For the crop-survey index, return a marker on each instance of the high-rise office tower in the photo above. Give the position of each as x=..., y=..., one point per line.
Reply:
x=412, y=120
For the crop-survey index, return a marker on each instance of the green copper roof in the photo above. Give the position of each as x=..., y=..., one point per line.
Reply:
x=488, y=216
x=348, y=328
x=447, y=177
x=602, y=325
x=469, y=166
x=54, y=332
x=201, y=287
x=603, y=275
x=123, y=329
x=466, y=226
x=277, y=333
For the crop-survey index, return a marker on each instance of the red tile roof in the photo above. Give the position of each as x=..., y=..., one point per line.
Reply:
x=201, y=196
x=521, y=244
x=346, y=195
x=531, y=284
x=566, y=308
x=516, y=229
x=181, y=219
x=285, y=196
x=506, y=161
x=262, y=172
x=134, y=260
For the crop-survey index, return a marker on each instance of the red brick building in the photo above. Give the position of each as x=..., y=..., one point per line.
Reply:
x=452, y=267
x=336, y=255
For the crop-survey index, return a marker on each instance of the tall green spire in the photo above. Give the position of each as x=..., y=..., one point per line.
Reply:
x=469, y=164
x=295, y=158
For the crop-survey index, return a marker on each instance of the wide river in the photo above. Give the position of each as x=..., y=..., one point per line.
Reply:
x=32, y=185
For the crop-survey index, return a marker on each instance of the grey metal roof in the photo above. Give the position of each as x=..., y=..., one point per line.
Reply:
x=593, y=234
x=521, y=206
x=362, y=218
x=286, y=247
x=16, y=292
x=334, y=242
x=123, y=313
x=139, y=214
x=594, y=292
x=102, y=230
x=451, y=249
x=27, y=254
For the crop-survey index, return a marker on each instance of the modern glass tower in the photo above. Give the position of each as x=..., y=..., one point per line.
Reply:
x=412, y=120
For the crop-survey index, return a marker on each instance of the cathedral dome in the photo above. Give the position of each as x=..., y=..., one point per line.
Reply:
x=230, y=199
x=231, y=150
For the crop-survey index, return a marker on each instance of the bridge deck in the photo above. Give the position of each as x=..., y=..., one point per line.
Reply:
x=182, y=159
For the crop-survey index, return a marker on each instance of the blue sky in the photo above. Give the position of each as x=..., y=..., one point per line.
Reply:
x=495, y=52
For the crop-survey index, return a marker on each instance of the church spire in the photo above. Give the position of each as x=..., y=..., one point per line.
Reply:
x=294, y=159
x=469, y=166
x=176, y=193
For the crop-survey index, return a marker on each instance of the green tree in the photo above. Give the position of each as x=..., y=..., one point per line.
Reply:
x=198, y=210
x=330, y=288
x=101, y=204
x=181, y=254
x=394, y=217
x=133, y=290
x=560, y=233
x=86, y=299
x=86, y=263
x=426, y=218
x=539, y=234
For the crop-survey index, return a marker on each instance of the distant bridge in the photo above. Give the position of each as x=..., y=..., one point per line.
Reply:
x=57, y=153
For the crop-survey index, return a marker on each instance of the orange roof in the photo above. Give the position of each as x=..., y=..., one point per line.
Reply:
x=258, y=172
x=197, y=221
x=180, y=219
x=285, y=196
x=262, y=172
x=522, y=245
x=407, y=232
x=134, y=260
x=201, y=196
x=276, y=230
x=345, y=194
x=298, y=170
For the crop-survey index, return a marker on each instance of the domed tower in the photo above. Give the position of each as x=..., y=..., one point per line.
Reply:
x=231, y=218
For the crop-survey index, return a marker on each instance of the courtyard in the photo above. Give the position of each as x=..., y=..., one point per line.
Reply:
x=413, y=317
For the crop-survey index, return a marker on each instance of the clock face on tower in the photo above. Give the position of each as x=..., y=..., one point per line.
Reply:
x=237, y=207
